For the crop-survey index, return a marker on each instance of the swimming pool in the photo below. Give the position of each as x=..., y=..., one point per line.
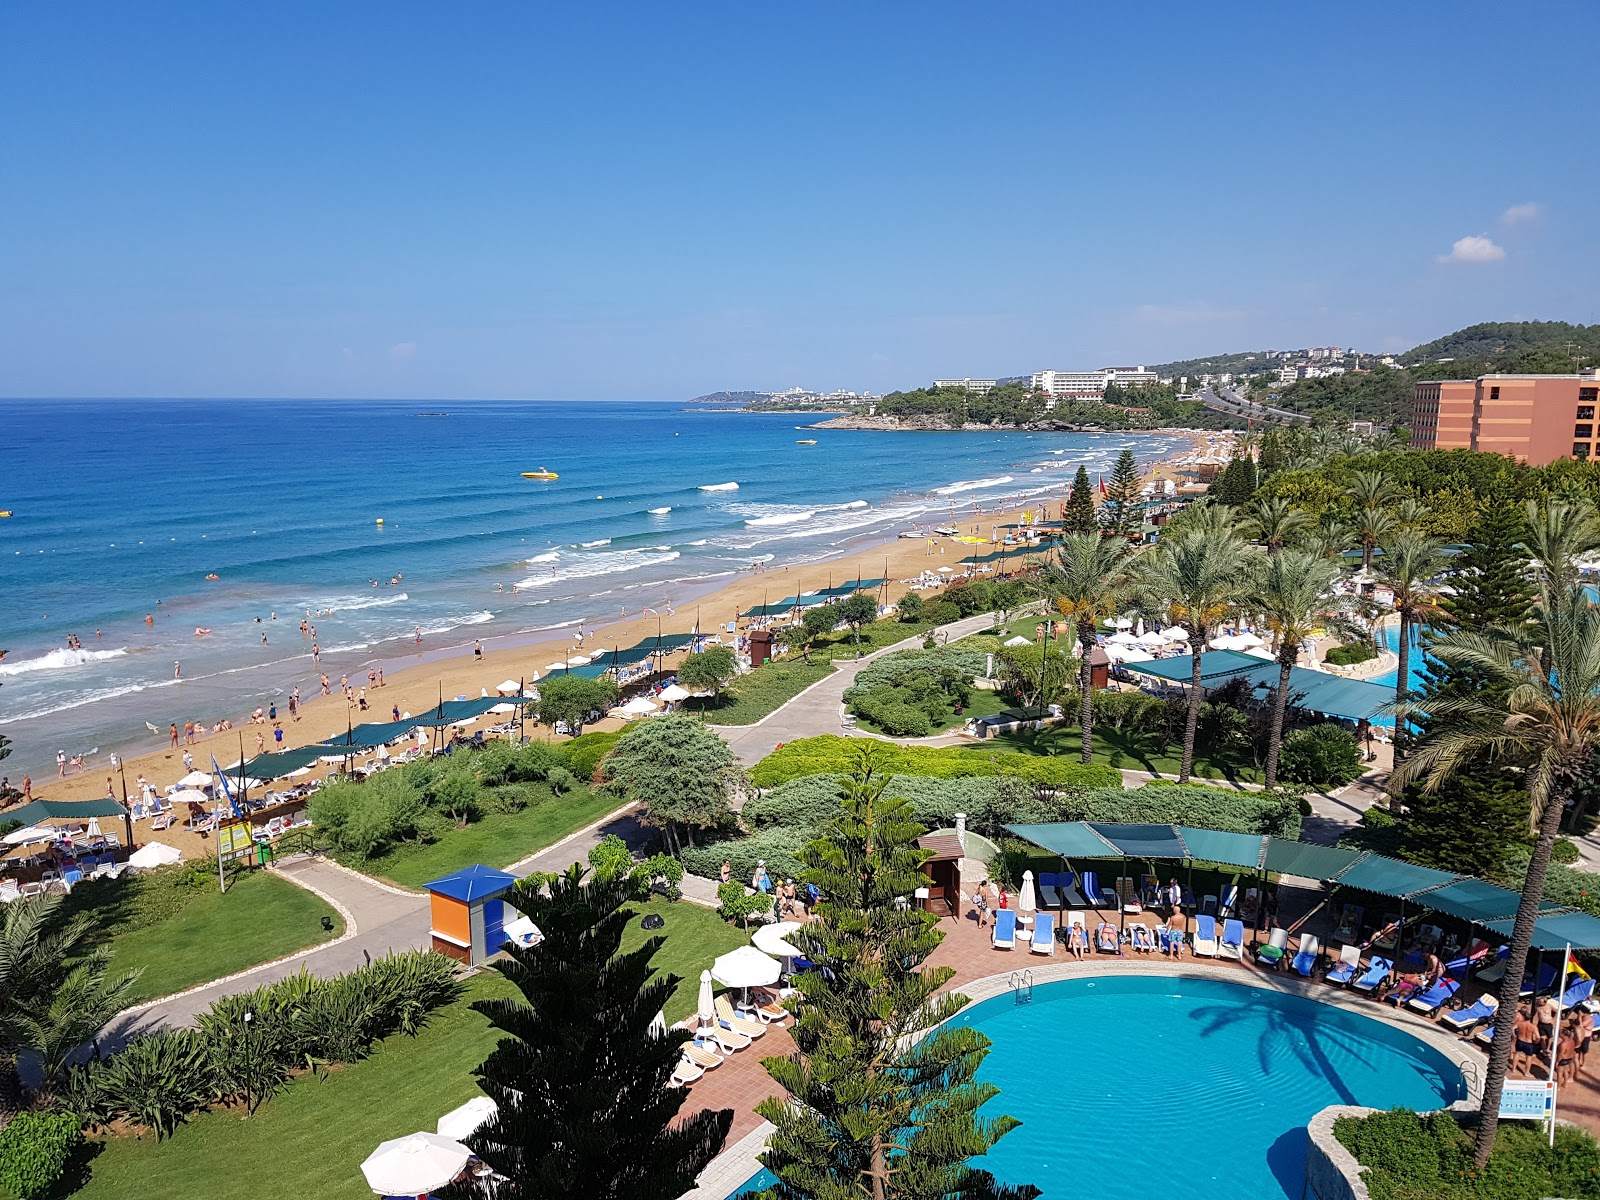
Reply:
x=1141, y=1086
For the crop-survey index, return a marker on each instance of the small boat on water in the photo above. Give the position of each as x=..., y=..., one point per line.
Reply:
x=5, y=512
x=805, y=441
x=541, y=473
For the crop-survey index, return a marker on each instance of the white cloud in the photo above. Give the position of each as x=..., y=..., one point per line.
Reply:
x=1517, y=213
x=401, y=351
x=1479, y=248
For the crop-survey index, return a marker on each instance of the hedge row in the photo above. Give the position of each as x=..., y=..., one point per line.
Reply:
x=1188, y=804
x=835, y=755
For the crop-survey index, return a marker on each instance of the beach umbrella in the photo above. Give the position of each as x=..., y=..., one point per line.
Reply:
x=154, y=854
x=415, y=1164
x=579, y=660
x=639, y=706
x=770, y=939
x=557, y=666
x=508, y=686
x=674, y=692
x=708, y=1012
x=1139, y=628
x=190, y=796
x=1152, y=638
x=1247, y=639
x=504, y=708
x=1225, y=641
x=1124, y=638
x=1262, y=652
x=468, y=1119
x=1019, y=640
x=1027, y=900
x=1176, y=634
x=1124, y=623
x=33, y=833
x=946, y=570
x=745, y=967
x=93, y=828
x=196, y=779
x=1134, y=654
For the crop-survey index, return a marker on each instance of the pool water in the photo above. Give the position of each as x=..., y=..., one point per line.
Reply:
x=1151, y=1088
x=1417, y=672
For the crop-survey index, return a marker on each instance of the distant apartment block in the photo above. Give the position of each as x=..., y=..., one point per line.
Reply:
x=1090, y=385
x=1535, y=419
x=976, y=386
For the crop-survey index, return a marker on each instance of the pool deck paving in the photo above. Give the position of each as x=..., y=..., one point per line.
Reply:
x=982, y=971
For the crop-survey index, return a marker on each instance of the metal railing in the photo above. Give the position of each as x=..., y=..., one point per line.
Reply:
x=1021, y=983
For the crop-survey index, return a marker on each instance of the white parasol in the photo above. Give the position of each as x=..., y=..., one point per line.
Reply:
x=1176, y=634
x=946, y=570
x=743, y=968
x=707, y=1009
x=1019, y=640
x=190, y=796
x=33, y=833
x=468, y=1119
x=415, y=1164
x=506, y=688
x=556, y=666
x=639, y=707
x=1152, y=639
x=196, y=779
x=1247, y=640
x=1132, y=654
x=154, y=854
x=770, y=939
x=1124, y=623
x=92, y=829
x=1027, y=901
x=1124, y=638
x=1225, y=641
x=504, y=708
x=674, y=692
x=579, y=660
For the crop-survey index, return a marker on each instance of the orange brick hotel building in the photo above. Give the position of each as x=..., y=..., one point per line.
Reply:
x=1535, y=419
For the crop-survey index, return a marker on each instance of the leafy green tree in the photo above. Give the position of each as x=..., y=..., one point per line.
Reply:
x=1293, y=596
x=1468, y=825
x=1089, y=580
x=679, y=770
x=56, y=990
x=1036, y=674
x=582, y=1082
x=856, y=611
x=817, y=623
x=708, y=670
x=1078, y=514
x=1005, y=597
x=1123, y=509
x=1548, y=725
x=571, y=698
x=882, y=1094
x=909, y=608
x=1198, y=578
x=1490, y=577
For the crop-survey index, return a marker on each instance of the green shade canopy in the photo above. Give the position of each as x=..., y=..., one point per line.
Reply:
x=64, y=810
x=1306, y=860
x=1069, y=839
x=450, y=712
x=1389, y=877
x=1474, y=900
x=1557, y=929
x=1215, y=666
x=1228, y=849
x=773, y=610
x=1313, y=691
x=284, y=762
x=1143, y=841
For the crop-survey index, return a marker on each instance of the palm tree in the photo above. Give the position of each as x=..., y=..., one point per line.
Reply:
x=1293, y=596
x=1372, y=524
x=1273, y=521
x=1559, y=533
x=1542, y=723
x=1089, y=580
x=1372, y=489
x=1409, y=512
x=55, y=991
x=1199, y=577
x=1330, y=538
x=1410, y=567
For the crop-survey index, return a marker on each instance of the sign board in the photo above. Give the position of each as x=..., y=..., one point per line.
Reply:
x=235, y=840
x=1527, y=1100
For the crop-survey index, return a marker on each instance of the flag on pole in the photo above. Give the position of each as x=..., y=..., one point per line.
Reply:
x=1102, y=479
x=1573, y=966
x=226, y=790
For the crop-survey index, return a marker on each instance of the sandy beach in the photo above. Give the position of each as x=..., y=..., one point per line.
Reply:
x=414, y=682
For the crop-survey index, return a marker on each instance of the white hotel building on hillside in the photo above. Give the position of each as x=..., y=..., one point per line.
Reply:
x=1089, y=385
x=976, y=386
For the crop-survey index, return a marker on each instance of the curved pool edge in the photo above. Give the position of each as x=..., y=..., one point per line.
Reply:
x=740, y=1161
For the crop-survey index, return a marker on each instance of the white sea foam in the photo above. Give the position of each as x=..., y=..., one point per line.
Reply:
x=605, y=563
x=327, y=608
x=449, y=623
x=547, y=556
x=972, y=485
x=719, y=487
x=60, y=659
x=595, y=545
x=93, y=697
x=660, y=512
x=701, y=542
x=783, y=518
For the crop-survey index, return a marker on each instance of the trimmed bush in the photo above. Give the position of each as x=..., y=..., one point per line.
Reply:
x=799, y=803
x=1189, y=804
x=779, y=846
x=1349, y=655
x=735, y=904
x=1323, y=756
x=34, y=1150
x=583, y=753
x=830, y=755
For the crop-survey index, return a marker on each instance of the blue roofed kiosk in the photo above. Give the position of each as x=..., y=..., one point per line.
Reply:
x=468, y=913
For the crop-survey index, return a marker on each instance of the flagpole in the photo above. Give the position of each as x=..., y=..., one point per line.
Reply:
x=222, y=878
x=1555, y=1040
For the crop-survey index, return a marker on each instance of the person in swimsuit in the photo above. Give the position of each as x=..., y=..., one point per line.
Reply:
x=1567, y=1056
x=980, y=904
x=1528, y=1043
x=1077, y=939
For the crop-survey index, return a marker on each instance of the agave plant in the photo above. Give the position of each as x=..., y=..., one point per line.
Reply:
x=158, y=1082
x=252, y=1044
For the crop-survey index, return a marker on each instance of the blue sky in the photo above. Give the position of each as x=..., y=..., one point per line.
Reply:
x=651, y=201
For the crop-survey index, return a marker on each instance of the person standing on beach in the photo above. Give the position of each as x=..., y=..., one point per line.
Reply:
x=177, y=670
x=380, y=676
x=27, y=788
x=325, y=690
x=172, y=732
x=372, y=677
x=61, y=763
x=477, y=648
x=316, y=654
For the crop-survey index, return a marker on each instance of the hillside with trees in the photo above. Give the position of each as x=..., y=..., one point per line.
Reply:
x=1013, y=405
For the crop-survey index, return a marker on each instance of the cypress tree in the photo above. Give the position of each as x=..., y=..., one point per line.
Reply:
x=1236, y=484
x=582, y=1084
x=1271, y=458
x=1124, y=514
x=883, y=1103
x=1078, y=514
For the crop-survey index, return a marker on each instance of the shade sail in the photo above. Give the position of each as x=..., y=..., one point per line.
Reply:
x=1306, y=860
x=1215, y=665
x=64, y=810
x=1070, y=839
x=1389, y=877
x=773, y=610
x=1474, y=900
x=452, y=711
x=1557, y=929
x=1143, y=841
x=1229, y=849
x=283, y=762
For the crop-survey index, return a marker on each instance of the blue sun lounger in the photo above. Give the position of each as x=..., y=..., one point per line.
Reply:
x=1095, y=896
x=1005, y=929
x=1547, y=980
x=1050, y=889
x=1463, y=1019
x=1345, y=969
x=1577, y=994
x=1306, y=960
x=1232, y=939
x=1432, y=1000
x=1377, y=971
x=1044, y=934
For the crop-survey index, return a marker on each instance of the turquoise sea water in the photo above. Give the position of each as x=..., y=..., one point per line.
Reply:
x=1134, y=1087
x=122, y=508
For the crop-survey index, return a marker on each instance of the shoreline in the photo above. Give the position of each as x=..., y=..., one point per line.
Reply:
x=414, y=681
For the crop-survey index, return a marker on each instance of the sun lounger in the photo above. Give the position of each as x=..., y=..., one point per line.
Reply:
x=1091, y=889
x=1464, y=1019
x=1044, y=934
x=728, y=1039
x=1105, y=938
x=1205, y=938
x=1005, y=930
x=1208, y=906
x=1306, y=960
x=1140, y=937
x=686, y=1072
x=1232, y=940
x=1546, y=981
x=768, y=1013
x=1229, y=901
x=1431, y=1001
x=703, y=1057
x=9, y=891
x=1347, y=966
x=1496, y=970
x=732, y=1020
x=1127, y=894
x=1349, y=927
x=1577, y=994
x=1377, y=971
x=1271, y=955
x=1050, y=890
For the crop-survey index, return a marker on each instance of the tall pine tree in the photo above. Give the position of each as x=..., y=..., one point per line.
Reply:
x=1124, y=512
x=1236, y=484
x=883, y=1102
x=1078, y=513
x=586, y=1108
x=1475, y=818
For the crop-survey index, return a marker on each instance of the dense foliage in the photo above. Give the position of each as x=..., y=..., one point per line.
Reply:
x=34, y=1150
x=1412, y=1156
x=1350, y=654
x=573, y=700
x=911, y=693
x=1012, y=404
x=1324, y=756
x=831, y=755
x=682, y=773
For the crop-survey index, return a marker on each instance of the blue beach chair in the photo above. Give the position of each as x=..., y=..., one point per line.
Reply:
x=1377, y=971
x=1463, y=1020
x=1005, y=929
x=1044, y=934
x=1431, y=1001
x=1306, y=960
x=1343, y=971
x=1232, y=940
x=1547, y=980
x=1205, y=938
x=1050, y=889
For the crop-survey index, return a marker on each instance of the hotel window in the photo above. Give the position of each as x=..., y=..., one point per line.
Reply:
x=1494, y=393
x=1585, y=412
x=1580, y=449
x=1583, y=431
x=1589, y=393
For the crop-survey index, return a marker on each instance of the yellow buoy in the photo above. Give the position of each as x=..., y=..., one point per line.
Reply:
x=380, y=520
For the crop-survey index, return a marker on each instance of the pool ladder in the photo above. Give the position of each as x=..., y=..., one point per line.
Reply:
x=1469, y=1076
x=1021, y=983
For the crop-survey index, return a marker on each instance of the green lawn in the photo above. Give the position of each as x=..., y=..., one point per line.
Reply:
x=309, y=1140
x=495, y=839
x=177, y=935
x=763, y=691
x=1130, y=752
